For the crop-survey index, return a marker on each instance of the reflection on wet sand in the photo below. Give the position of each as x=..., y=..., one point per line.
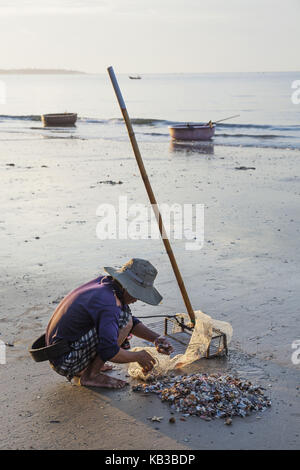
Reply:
x=192, y=147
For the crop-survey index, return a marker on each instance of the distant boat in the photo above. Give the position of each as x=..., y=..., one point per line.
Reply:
x=62, y=119
x=192, y=131
x=135, y=77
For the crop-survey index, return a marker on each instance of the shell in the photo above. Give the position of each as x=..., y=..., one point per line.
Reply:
x=208, y=396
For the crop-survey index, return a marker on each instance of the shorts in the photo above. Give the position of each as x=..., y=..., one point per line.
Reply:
x=84, y=350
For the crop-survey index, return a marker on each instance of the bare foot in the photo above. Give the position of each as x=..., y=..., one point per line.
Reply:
x=106, y=367
x=102, y=380
x=76, y=380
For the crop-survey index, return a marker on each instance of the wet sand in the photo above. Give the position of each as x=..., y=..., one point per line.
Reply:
x=247, y=273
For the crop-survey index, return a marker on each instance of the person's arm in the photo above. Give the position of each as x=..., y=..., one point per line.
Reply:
x=106, y=322
x=161, y=343
x=145, y=360
x=108, y=348
x=141, y=331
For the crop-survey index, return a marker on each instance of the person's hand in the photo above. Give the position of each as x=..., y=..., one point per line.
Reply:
x=146, y=361
x=163, y=346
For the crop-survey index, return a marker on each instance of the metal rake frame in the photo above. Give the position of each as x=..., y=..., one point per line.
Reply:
x=217, y=346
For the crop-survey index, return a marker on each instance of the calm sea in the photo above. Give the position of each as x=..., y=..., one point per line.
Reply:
x=268, y=117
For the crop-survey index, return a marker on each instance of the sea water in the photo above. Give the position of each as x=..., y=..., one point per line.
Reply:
x=268, y=114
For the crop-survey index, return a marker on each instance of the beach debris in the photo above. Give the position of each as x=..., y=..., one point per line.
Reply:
x=245, y=168
x=10, y=164
x=172, y=420
x=228, y=421
x=208, y=396
x=58, y=300
x=156, y=418
x=109, y=182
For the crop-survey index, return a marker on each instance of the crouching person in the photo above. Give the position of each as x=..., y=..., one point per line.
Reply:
x=95, y=320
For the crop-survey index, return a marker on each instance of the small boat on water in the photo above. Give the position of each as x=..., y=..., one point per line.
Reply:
x=135, y=77
x=190, y=131
x=195, y=131
x=60, y=119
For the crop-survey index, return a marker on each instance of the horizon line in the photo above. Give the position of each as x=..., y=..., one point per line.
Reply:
x=36, y=70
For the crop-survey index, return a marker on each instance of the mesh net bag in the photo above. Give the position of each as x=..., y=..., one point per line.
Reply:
x=196, y=349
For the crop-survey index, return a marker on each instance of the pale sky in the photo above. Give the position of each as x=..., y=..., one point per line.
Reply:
x=140, y=36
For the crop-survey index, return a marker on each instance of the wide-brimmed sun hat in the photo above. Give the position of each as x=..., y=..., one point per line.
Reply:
x=137, y=277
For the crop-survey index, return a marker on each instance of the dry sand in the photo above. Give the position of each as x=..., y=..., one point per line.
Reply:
x=247, y=273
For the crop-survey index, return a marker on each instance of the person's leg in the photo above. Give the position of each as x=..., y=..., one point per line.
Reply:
x=124, y=332
x=92, y=375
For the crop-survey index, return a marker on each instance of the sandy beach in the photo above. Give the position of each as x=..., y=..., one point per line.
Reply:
x=247, y=274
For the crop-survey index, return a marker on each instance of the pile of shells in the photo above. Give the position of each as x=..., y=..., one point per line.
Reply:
x=208, y=396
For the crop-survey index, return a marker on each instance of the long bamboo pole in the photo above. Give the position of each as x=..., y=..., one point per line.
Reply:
x=151, y=194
